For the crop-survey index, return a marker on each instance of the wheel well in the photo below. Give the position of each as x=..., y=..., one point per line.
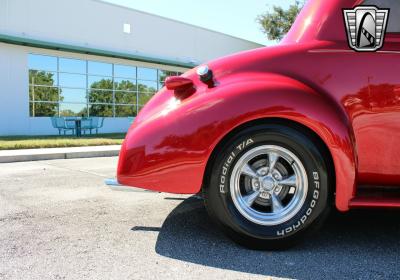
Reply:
x=285, y=122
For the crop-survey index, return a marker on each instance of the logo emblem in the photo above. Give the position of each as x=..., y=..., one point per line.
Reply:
x=366, y=27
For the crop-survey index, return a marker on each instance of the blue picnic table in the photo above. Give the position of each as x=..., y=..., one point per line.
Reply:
x=77, y=124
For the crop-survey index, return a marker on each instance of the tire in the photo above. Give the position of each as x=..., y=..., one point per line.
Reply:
x=263, y=208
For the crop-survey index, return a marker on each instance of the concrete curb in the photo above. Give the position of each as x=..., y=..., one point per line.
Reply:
x=58, y=153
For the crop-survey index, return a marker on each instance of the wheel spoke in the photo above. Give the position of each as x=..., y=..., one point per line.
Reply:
x=247, y=170
x=276, y=203
x=250, y=198
x=290, y=181
x=273, y=158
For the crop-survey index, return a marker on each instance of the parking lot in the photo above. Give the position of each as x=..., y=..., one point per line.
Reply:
x=59, y=221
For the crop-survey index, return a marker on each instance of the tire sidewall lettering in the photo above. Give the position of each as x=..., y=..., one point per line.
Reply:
x=228, y=162
x=303, y=219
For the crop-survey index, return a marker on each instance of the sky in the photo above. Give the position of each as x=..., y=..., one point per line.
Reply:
x=233, y=17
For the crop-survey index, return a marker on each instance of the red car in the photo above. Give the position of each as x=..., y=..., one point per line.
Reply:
x=275, y=136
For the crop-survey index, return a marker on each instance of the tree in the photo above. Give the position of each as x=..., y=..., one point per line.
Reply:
x=101, y=92
x=145, y=93
x=71, y=113
x=277, y=23
x=125, y=97
x=125, y=94
x=43, y=94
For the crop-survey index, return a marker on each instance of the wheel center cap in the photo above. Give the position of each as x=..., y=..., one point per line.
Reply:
x=268, y=183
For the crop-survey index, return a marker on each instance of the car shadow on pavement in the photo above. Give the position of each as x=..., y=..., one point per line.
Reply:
x=358, y=244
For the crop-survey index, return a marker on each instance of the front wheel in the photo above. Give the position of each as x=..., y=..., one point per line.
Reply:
x=268, y=186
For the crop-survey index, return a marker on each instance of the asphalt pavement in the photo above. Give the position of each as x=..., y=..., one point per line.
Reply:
x=59, y=221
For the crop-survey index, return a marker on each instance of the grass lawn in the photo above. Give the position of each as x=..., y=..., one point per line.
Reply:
x=36, y=142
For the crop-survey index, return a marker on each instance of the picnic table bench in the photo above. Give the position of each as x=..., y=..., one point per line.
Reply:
x=77, y=124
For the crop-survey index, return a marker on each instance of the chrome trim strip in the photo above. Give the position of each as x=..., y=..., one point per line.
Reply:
x=330, y=51
x=112, y=182
x=116, y=186
x=344, y=51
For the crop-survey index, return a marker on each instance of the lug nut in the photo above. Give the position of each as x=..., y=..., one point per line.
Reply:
x=265, y=195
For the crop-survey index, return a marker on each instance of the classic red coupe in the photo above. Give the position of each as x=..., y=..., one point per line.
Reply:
x=273, y=137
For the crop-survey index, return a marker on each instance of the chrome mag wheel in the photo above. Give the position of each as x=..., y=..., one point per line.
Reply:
x=268, y=185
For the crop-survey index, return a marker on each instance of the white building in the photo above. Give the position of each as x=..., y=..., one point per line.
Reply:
x=91, y=58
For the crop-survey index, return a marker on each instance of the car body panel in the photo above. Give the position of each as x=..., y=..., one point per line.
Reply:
x=171, y=154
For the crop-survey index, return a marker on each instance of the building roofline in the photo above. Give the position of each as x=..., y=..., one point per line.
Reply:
x=178, y=21
x=24, y=41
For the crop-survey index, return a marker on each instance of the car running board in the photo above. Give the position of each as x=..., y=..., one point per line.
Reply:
x=376, y=197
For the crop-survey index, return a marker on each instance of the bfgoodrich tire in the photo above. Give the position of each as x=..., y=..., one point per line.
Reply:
x=268, y=186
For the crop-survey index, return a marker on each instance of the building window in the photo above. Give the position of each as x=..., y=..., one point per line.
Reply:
x=61, y=86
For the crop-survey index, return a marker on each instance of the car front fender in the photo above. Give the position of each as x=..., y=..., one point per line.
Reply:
x=168, y=148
